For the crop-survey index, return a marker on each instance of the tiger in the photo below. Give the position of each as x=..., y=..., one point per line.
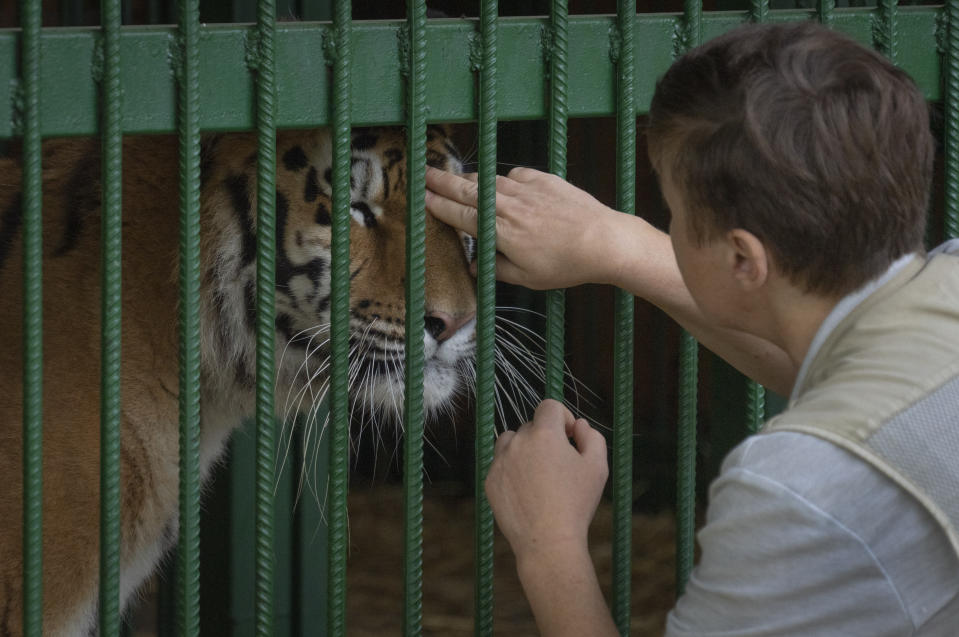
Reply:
x=150, y=292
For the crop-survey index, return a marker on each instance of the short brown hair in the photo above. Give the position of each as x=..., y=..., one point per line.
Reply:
x=815, y=144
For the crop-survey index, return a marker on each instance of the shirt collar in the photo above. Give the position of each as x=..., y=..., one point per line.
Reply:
x=842, y=310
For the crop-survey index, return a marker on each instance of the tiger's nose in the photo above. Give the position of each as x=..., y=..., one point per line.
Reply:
x=442, y=326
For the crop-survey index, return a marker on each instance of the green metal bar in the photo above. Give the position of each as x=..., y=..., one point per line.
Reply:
x=32, y=324
x=265, y=321
x=886, y=34
x=825, y=10
x=188, y=557
x=759, y=10
x=755, y=406
x=688, y=394
x=485, y=319
x=558, y=115
x=756, y=393
x=71, y=101
x=340, y=317
x=415, y=313
x=686, y=460
x=622, y=460
x=693, y=23
x=951, y=69
x=112, y=144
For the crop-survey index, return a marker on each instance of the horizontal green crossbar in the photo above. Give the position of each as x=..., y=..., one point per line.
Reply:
x=227, y=96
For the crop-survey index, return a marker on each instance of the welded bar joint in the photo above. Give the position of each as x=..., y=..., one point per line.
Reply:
x=885, y=29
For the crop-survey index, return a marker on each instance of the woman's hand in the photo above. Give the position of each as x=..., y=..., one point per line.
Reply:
x=549, y=234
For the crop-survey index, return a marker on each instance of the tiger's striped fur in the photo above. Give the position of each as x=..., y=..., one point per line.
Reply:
x=149, y=384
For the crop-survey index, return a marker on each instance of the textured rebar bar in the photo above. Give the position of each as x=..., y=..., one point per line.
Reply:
x=415, y=314
x=688, y=395
x=686, y=460
x=622, y=459
x=693, y=23
x=340, y=318
x=558, y=115
x=485, y=319
x=885, y=31
x=951, y=69
x=112, y=144
x=825, y=10
x=755, y=406
x=32, y=324
x=759, y=10
x=265, y=314
x=756, y=393
x=188, y=556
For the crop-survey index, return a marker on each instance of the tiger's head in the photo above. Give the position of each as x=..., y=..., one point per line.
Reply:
x=377, y=271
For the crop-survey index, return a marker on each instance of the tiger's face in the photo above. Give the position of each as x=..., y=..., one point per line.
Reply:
x=150, y=370
x=377, y=271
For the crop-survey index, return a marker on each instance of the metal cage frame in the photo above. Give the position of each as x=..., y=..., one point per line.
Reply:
x=118, y=80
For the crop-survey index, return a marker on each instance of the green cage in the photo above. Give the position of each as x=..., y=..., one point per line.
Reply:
x=331, y=70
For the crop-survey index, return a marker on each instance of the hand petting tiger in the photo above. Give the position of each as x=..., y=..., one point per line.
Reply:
x=149, y=377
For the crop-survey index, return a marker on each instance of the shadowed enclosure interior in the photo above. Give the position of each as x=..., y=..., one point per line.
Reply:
x=564, y=74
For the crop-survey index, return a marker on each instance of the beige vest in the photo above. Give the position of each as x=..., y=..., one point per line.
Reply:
x=884, y=385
